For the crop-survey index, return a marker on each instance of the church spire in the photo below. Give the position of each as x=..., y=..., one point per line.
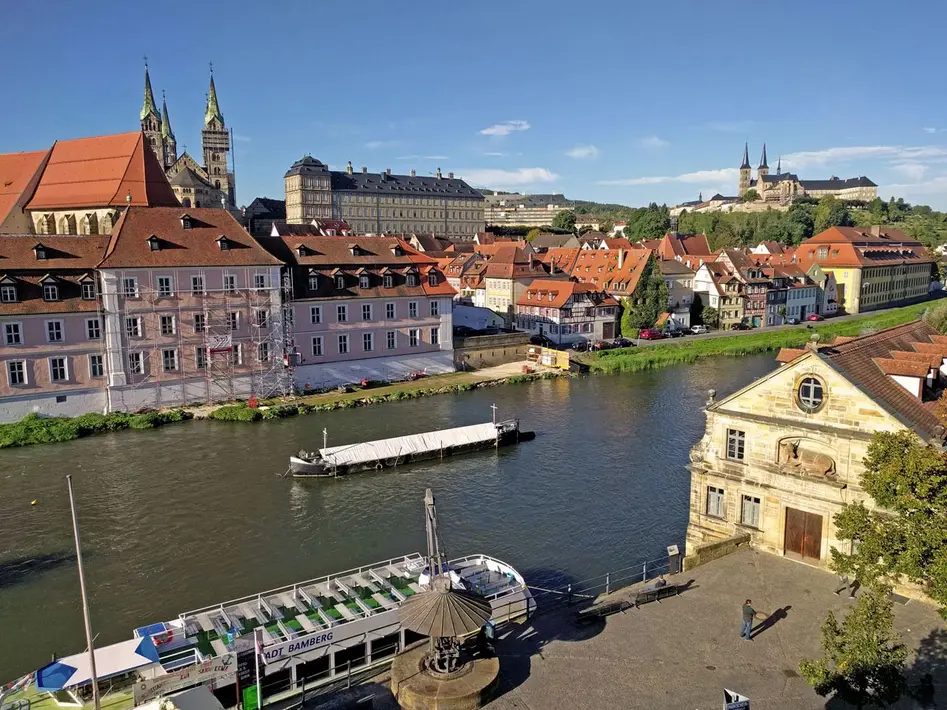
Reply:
x=763, y=158
x=148, y=107
x=165, y=121
x=779, y=165
x=213, y=110
x=746, y=156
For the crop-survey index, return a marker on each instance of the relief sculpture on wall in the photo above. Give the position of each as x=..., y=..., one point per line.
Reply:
x=804, y=457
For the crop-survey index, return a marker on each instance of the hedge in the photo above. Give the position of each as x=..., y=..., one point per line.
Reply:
x=34, y=429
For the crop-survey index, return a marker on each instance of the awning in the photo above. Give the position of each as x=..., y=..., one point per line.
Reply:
x=110, y=661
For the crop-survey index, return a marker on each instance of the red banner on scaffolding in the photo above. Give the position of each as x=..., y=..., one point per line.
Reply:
x=220, y=344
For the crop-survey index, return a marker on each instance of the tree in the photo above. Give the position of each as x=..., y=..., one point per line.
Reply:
x=697, y=310
x=831, y=212
x=750, y=195
x=606, y=226
x=648, y=301
x=907, y=537
x=651, y=222
x=564, y=220
x=710, y=317
x=863, y=661
x=533, y=233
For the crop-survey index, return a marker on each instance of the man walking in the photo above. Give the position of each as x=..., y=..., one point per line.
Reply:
x=749, y=614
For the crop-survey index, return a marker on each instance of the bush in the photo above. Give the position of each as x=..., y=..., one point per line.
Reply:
x=235, y=413
x=936, y=317
x=281, y=411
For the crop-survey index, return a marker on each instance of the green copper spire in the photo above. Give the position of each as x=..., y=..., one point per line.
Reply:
x=165, y=121
x=148, y=107
x=213, y=110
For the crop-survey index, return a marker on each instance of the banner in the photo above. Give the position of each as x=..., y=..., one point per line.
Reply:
x=216, y=671
x=220, y=344
x=246, y=672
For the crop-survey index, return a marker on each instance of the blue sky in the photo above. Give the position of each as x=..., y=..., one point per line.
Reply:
x=626, y=102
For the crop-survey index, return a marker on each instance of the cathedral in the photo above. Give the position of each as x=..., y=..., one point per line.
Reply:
x=210, y=184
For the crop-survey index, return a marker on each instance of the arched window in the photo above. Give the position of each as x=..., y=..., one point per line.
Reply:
x=89, y=224
x=186, y=202
x=217, y=184
x=67, y=225
x=46, y=224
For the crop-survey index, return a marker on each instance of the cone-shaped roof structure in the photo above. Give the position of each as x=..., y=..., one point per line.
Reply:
x=746, y=156
x=443, y=611
x=763, y=158
x=213, y=110
x=148, y=106
x=165, y=121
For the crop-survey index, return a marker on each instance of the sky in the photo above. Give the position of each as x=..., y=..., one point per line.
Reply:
x=627, y=102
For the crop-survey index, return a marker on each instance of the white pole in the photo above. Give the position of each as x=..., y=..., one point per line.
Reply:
x=325, y=439
x=85, y=601
x=256, y=656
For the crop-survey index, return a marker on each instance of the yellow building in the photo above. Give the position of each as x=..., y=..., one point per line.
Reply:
x=874, y=267
x=509, y=271
x=784, y=187
x=782, y=456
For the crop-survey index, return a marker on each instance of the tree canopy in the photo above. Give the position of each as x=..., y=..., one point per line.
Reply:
x=648, y=301
x=750, y=195
x=564, y=220
x=652, y=222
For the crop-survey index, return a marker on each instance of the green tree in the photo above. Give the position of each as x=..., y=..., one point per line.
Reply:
x=564, y=220
x=648, y=301
x=750, y=195
x=697, y=310
x=801, y=223
x=606, y=226
x=710, y=317
x=907, y=537
x=863, y=659
x=831, y=212
x=533, y=233
x=652, y=222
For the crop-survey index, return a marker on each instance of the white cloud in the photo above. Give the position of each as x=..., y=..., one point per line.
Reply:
x=491, y=177
x=582, y=151
x=893, y=153
x=912, y=171
x=241, y=139
x=495, y=154
x=724, y=176
x=375, y=145
x=929, y=130
x=654, y=143
x=435, y=157
x=505, y=128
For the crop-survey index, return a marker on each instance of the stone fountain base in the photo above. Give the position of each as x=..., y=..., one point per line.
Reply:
x=472, y=686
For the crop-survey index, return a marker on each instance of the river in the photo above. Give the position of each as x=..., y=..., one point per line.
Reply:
x=189, y=515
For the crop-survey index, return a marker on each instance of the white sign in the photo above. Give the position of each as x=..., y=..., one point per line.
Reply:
x=300, y=645
x=211, y=671
x=220, y=344
x=735, y=701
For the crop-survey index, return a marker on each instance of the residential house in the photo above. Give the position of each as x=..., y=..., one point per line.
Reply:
x=508, y=272
x=583, y=221
x=791, y=295
x=720, y=289
x=567, y=312
x=828, y=289
x=782, y=456
x=260, y=215
x=544, y=242
x=464, y=273
x=676, y=246
x=679, y=280
x=755, y=285
x=770, y=248
x=365, y=308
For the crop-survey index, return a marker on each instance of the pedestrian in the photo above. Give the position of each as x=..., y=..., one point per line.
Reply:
x=850, y=583
x=749, y=614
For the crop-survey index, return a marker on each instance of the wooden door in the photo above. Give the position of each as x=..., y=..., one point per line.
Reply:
x=608, y=331
x=803, y=538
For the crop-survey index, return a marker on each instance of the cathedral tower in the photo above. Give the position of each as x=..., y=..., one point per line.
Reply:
x=763, y=170
x=169, y=144
x=215, y=140
x=745, y=170
x=151, y=121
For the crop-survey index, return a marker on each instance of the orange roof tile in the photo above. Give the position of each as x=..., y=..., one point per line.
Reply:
x=904, y=368
x=789, y=354
x=939, y=339
x=931, y=359
x=17, y=171
x=932, y=348
x=555, y=294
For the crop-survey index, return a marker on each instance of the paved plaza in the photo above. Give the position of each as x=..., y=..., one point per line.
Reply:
x=682, y=652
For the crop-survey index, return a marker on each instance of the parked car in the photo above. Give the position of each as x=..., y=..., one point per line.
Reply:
x=600, y=345
x=673, y=333
x=739, y=326
x=464, y=330
x=541, y=340
x=699, y=329
x=814, y=317
x=792, y=321
x=623, y=343
x=580, y=346
x=650, y=334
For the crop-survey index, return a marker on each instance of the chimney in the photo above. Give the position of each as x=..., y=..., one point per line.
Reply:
x=438, y=174
x=412, y=173
x=387, y=171
x=450, y=176
x=621, y=257
x=364, y=170
x=876, y=230
x=383, y=175
x=348, y=168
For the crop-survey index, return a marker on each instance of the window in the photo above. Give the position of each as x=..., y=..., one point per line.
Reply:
x=236, y=354
x=317, y=346
x=432, y=279
x=88, y=291
x=198, y=322
x=435, y=336
x=412, y=279
x=133, y=327
x=96, y=366
x=263, y=352
x=54, y=331
x=13, y=333
x=262, y=317
x=343, y=344
x=130, y=287
x=259, y=281
x=315, y=314
x=342, y=313
x=16, y=372
x=412, y=309
x=368, y=342
x=167, y=325
x=234, y=320
x=363, y=281
x=715, y=507
x=313, y=283
x=392, y=339
x=389, y=311
x=340, y=281
x=50, y=292
x=413, y=337
x=169, y=358
x=7, y=294
x=389, y=281
x=57, y=369
x=750, y=514
x=366, y=311
x=93, y=329
x=435, y=308
x=736, y=442
x=230, y=283
x=136, y=365
x=164, y=286
x=197, y=285
x=811, y=395
x=200, y=357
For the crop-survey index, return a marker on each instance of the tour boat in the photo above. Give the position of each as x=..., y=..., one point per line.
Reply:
x=385, y=453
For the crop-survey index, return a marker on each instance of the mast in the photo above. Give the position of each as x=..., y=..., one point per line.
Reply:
x=85, y=600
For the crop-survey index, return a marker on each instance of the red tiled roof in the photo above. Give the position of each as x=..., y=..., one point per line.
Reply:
x=906, y=368
x=856, y=247
x=939, y=339
x=539, y=291
x=930, y=348
x=789, y=354
x=197, y=246
x=679, y=245
x=930, y=358
x=17, y=171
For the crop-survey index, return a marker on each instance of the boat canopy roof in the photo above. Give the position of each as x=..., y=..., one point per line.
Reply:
x=384, y=449
x=110, y=661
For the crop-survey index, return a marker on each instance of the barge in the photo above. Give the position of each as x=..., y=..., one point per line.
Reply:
x=387, y=453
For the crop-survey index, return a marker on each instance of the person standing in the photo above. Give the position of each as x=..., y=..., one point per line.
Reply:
x=749, y=613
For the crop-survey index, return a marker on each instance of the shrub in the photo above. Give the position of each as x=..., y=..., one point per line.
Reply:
x=281, y=411
x=936, y=317
x=235, y=413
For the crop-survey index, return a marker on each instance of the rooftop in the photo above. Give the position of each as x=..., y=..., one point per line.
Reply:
x=381, y=183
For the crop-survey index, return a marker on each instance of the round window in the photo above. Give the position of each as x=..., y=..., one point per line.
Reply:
x=811, y=394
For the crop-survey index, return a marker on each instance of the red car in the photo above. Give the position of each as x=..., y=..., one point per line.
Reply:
x=815, y=316
x=650, y=334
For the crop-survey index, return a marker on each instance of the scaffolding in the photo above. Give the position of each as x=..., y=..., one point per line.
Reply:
x=201, y=345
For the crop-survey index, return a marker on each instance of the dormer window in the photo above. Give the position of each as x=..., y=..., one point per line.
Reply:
x=397, y=250
x=389, y=281
x=363, y=281
x=223, y=243
x=550, y=297
x=432, y=279
x=340, y=281
x=313, y=283
x=186, y=221
x=154, y=244
x=354, y=250
x=300, y=250
x=7, y=293
x=39, y=251
x=50, y=292
x=412, y=279
x=88, y=291
x=529, y=295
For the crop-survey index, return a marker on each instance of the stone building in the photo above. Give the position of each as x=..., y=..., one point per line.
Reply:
x=784, y=187
x=382, y=203
x=780, y=457
x=524, y=210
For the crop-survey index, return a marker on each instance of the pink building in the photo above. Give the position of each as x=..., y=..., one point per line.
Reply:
x=365, y=308
x=51, y=327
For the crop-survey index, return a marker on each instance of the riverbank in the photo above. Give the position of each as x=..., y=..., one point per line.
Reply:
x=688, y=350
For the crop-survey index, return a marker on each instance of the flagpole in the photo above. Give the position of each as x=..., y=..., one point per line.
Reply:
x=85, y=600
x=257, y=649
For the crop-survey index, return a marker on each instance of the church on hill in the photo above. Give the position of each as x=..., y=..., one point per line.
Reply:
x=207, y=184
x=783, y=187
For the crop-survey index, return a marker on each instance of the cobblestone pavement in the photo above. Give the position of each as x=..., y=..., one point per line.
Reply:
x=682, y=652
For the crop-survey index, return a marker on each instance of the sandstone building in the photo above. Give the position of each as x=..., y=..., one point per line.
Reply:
x=783, y=187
